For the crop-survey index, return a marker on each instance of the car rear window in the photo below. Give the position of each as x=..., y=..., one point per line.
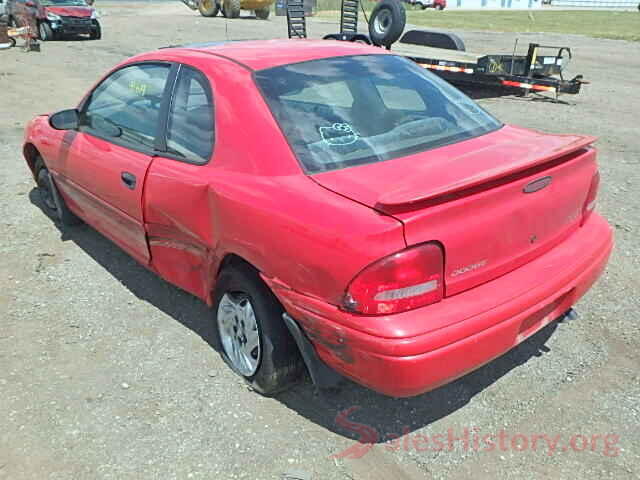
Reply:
x=345, y=111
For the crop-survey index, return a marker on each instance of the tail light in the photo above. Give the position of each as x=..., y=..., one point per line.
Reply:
x=590, y=203
x=403, y=281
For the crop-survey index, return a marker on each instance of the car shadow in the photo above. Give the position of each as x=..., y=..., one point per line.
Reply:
x=144, y=284
x=385, y=415
x=392, y=417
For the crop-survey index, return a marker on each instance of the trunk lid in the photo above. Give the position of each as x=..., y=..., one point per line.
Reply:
x=494, y=202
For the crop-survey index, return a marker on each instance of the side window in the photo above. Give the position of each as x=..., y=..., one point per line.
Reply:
x=126, y=106
x=190, y=129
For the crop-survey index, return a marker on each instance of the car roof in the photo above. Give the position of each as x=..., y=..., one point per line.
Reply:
x=261, y=54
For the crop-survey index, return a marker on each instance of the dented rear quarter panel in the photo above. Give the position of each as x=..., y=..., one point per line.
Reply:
x=253, y=200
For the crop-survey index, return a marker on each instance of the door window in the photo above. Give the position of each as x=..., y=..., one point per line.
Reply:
x=190, y=129
x=126, y=106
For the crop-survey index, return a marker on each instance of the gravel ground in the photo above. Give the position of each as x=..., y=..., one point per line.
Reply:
x=108, y=372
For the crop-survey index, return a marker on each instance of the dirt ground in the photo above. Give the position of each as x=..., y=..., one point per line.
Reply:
x=107, y=372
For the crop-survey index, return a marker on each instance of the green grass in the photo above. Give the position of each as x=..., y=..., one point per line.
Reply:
x=610, y=24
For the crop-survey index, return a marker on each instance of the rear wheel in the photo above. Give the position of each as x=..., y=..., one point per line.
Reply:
x=51, y=198
x=255, y=341
x=208, y=8
x=231, y=8
x=263, y=13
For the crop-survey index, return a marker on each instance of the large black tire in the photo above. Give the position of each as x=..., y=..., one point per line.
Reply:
x=231, y=8
x=387, y=22
x=208, y=8
x=262, y=13
x=280, y=364
x=96, y=32
x=45, y=32
x=51, y=198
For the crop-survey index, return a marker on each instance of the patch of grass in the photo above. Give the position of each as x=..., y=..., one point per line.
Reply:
x=610, y=24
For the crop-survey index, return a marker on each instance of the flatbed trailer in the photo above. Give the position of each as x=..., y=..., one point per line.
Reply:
x=531, y=72
x=444, y=54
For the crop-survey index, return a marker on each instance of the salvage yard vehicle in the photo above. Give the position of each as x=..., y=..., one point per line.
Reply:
x=28, y=33
x=230, y=8
x=424, y=4
x=338, y=206
x=57, y=18
x=5, y=40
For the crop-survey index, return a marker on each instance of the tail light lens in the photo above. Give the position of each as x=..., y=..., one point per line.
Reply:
x=590, y=203
x=403, y=281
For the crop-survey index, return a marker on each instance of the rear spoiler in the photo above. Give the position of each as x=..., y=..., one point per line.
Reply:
x=483, y=177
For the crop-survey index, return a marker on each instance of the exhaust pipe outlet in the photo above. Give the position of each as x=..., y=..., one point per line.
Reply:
x=569, y=315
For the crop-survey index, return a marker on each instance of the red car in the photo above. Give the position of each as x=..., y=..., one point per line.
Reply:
x=424, y=4
x=331, y=202
x=56, y=18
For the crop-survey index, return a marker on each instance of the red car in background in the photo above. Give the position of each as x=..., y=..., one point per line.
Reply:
x=56, y=18
x=334, y=203
x=424, y=4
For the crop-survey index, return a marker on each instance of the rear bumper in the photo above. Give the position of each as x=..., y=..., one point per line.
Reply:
x=410, y=353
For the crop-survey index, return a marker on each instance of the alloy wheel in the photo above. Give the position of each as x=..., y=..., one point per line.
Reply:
x=239, y=333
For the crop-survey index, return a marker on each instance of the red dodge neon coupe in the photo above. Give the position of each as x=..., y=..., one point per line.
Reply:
x=334, y=203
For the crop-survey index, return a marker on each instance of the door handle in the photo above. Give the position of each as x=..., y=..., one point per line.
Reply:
x=129, y=179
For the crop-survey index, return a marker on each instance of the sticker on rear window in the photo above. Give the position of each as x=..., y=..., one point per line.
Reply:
x=338, y=134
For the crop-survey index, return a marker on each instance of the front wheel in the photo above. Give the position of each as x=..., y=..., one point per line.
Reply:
x=51, y=198
x=255, y=341
x=45, y=31
x=263, y=13
x=96, y=32
x=439, y=7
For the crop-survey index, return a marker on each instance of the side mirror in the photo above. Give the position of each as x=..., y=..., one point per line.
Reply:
x=29, y=3
x=65, y=120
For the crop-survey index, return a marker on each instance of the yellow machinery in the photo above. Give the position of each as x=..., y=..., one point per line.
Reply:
x=230, y=8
